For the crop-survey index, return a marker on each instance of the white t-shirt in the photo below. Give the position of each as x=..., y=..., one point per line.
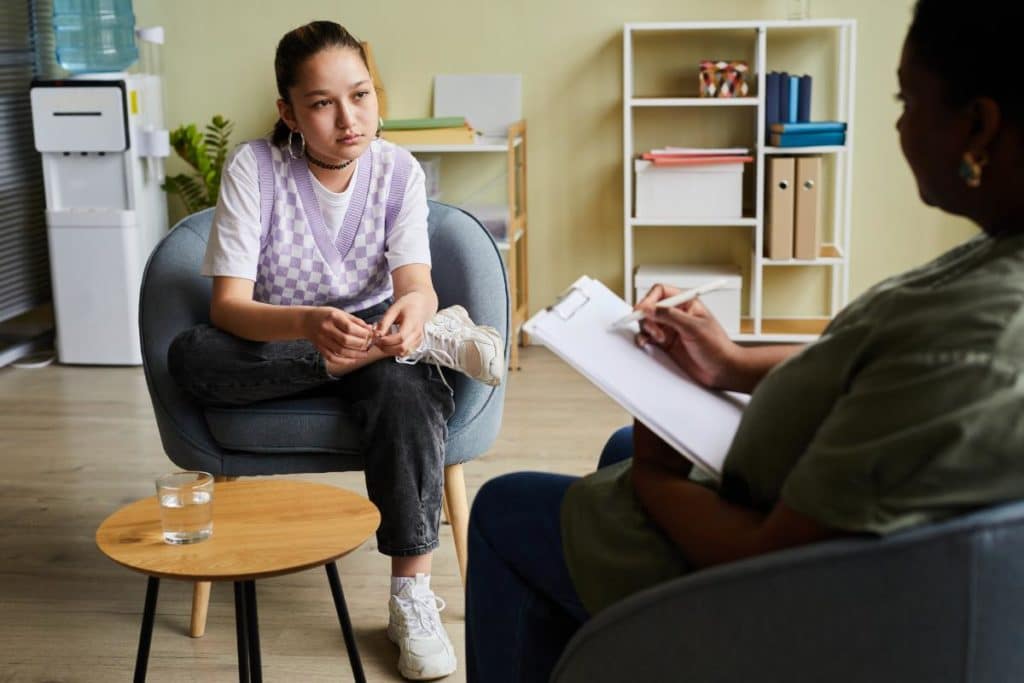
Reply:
x=233, y=249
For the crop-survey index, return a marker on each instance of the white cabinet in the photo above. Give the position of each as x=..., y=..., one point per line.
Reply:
x=660, y=108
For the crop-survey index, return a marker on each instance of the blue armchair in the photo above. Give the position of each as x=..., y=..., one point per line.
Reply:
x=942, y=603
x=305, y=435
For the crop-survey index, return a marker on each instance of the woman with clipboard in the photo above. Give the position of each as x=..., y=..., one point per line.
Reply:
x=906, y=411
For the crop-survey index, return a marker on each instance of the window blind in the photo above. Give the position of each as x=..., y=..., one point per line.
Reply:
x=26, y=50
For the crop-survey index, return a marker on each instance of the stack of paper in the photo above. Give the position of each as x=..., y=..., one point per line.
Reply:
x=449, y=130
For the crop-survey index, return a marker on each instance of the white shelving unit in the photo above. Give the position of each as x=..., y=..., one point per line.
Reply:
x=514, y=244
x=834, y=255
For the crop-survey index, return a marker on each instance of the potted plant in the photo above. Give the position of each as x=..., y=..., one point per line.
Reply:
x=204, y=152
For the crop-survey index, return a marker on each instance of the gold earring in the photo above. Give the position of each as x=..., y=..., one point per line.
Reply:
x=970, y=168
x=380, y=125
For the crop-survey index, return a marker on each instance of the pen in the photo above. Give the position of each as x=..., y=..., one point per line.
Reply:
x=672, y=301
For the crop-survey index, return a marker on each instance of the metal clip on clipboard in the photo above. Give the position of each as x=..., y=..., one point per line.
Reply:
x=569, y=302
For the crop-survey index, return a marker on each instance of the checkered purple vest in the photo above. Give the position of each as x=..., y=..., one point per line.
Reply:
x=299, y=263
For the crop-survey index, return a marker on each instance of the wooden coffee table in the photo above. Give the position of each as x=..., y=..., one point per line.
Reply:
x=261, y=528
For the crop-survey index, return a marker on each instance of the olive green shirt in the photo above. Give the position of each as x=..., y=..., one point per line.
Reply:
x=908, y=409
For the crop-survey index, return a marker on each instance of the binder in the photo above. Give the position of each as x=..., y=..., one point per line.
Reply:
x=778, y=243
x=821, y=139
x=794, y=99
x=808, y=127
x=783, y=106
x=771, y=100
x=806, y=240
x=697, y=422
x=803, y=114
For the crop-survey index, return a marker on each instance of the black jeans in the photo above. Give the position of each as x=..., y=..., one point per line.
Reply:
x=402, y=409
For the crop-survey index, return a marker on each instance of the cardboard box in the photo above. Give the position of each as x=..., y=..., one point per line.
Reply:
x=724, y=304
x=700, y=191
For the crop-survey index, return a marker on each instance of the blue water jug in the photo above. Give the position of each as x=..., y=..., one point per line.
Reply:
x=94, y=35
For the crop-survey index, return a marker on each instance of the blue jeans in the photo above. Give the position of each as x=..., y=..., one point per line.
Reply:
x=521, y=606
x=402, y=410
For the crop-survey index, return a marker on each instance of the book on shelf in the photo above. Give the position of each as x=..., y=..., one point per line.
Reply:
x=461, y=135
x=831, y=139
x=809, y=127
x=425, y=123
x=803, y=111
x=782, y=106
x=697, y=156
x=699, y=151
x=773, y=83
x=794, y=99
x=696, y=160
x=787, y=98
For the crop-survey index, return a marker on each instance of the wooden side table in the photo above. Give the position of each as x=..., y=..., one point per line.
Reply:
x=261, y=528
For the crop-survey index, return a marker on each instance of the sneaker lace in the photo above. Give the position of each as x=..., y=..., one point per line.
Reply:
x=425, y=611
x=441, y=349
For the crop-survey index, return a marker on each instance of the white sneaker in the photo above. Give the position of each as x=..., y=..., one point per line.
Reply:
x=452, y=340
x=415, y=626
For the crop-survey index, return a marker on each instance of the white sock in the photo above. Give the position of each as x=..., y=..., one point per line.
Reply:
x=400, y=582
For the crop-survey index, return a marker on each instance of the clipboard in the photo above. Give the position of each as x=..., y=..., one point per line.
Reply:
x=698, y=422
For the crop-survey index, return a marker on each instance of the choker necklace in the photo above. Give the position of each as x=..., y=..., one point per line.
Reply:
x=323, y=164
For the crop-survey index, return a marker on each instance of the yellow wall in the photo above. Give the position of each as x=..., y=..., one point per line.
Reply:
x=219, y=59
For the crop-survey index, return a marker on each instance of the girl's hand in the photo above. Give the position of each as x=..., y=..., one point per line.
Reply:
x=410, y=312
x=341, y=337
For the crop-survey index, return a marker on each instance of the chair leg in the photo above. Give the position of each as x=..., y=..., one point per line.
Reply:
x=458, y=509
x=200, y=605
x=446, y=515
x=201, y=593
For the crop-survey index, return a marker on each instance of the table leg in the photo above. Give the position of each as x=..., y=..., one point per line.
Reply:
x=346, y=624
x=255, y=666
x=241, y=633
x=146, y=633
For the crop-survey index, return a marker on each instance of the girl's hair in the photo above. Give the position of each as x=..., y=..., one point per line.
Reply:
x=974, y=48
x=295, y=48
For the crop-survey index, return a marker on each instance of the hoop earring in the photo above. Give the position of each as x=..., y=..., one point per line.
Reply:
x=291, y=147
x=380, y=125
x=970, y=168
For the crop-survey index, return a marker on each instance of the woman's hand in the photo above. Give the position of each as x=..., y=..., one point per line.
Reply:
x=410, y=313
x=341, y=337
x=692, y=338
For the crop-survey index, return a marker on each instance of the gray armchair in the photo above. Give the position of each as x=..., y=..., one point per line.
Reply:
x=313, y=434
x=940, y=603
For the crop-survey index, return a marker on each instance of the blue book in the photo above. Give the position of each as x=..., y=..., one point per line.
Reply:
x=794, y=99
x=783, y=106
x=807, y=139
x=803, y=113
x=809, y=127
x=771, y=99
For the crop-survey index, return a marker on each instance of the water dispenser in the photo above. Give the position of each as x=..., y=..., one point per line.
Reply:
x=103, y=141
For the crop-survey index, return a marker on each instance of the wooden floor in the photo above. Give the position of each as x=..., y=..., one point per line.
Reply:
x=76, y=443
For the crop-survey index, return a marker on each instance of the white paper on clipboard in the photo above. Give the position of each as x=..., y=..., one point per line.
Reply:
x=698, y=422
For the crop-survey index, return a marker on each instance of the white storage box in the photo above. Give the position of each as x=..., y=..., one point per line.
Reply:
x=724, y=303
x=700, y=191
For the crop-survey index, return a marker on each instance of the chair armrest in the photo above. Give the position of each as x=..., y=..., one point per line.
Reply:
x=903, y=608
x=468, y=270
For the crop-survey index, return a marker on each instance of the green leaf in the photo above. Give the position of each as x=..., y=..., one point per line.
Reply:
x=206, y=153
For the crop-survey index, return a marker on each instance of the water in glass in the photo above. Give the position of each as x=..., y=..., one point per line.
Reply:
x=186, y=506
